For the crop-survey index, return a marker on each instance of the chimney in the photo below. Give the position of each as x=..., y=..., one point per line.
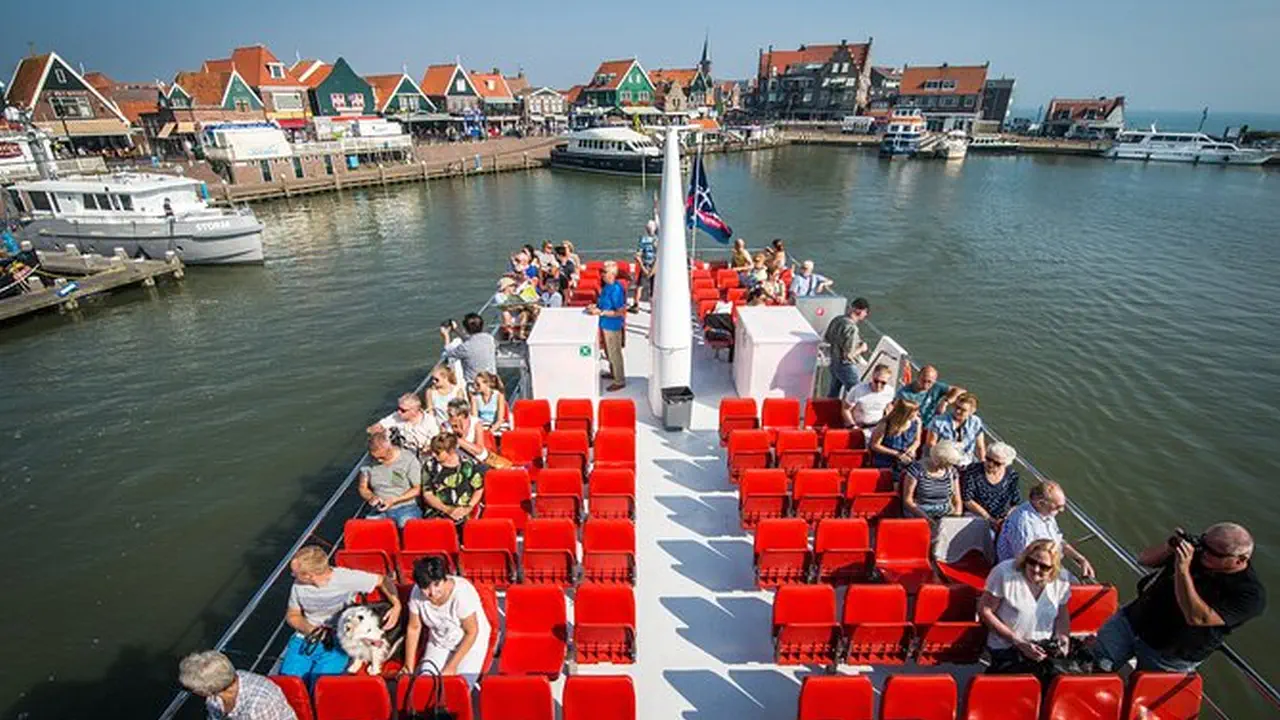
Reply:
x=843, y=41
x=496, y=71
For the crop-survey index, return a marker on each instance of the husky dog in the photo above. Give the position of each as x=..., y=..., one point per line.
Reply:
x=362, y=638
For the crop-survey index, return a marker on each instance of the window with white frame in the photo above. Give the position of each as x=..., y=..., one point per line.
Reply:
x=71, y=107
x=275, y=70
x=460, y=85
x=624, y=96
x=286, y=100
x=409, y=103
x=337, y=100
x=355, y=100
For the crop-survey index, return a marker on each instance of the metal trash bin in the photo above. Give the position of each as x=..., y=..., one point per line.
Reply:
x=677, y=408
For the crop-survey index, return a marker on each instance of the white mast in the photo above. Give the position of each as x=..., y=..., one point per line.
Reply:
x=671, y=335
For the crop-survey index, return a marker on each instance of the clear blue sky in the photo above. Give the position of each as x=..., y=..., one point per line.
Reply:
x=1170, y=54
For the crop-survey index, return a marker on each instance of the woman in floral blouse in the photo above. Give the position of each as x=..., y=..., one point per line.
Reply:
x=452, y=484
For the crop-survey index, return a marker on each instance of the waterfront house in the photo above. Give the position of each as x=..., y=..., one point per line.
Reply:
x=337, y=91
x=695, y=86
x=450, y=89
x=77, y=117
x=949, y=96
x=398, y=97
x=1090, y=117
x=813, y=82
x=282, y=94
x=545, y=107
x=669, y=91
x=728, y=95
x=138, y=102
x=997, y=96
x=496, y=99
x=619, y=83
x=195, y=99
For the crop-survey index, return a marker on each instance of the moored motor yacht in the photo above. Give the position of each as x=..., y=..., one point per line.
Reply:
x=1192, y=147
x=609, y=150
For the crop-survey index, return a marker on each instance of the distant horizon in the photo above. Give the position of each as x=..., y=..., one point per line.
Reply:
x=1185, y=62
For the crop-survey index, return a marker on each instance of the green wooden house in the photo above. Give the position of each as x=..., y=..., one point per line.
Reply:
x=336, y=90
x=398, y=96
x=619, y=83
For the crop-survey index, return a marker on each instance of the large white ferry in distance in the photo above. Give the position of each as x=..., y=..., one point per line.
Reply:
x=1191, y=147
x=608, y=150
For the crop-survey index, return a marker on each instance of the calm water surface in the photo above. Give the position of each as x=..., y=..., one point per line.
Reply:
x=1118, y=322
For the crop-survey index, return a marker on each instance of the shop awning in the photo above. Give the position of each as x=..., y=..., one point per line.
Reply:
x=292, y=123
x=186, y=128
x=166, y=131
x=641, y=110
x=106, y=127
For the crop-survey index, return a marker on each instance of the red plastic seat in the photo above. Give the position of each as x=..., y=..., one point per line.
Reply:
x=373, y=561
x=618, y=413
x=946, y=625
x=737, y=296
x=823, y=414
x=367, y=534
x=508, y=494
x=604, y=623
x=425, y=537
x=351, y=697
x=609, y=551
x=1090, y=606
x=559, y=494
x=488, y=553
x=842, y=448
x=706, y=293
x=416, y=696
x=518, y=698
x=782, y=552
x=704, y=309
x=762, y=494
x=737, y=414
x=1084, y=697
x=536, y=632
x=874, y=625
x=836, y=697
x=870, y=494
x=489, y=603
x=842, y=551
x=796, y=450
x=815, y=494
x=523, y=447
x=550, y=552
x=599, y=697
x=575, y=414
x=568, y=449
x=747, y=449
x=615, y=448
x=918, y=697
x=532, y=413
x=1003, y=697
x=779, y=413
x=902, y=552
x=613, y=494
x=700, y=282
x=726, y=279
x=804, y=625
x=1163, y=696
x=295, y=692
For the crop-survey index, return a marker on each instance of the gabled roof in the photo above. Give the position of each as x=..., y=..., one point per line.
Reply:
x=573, y=94
x=436, y=80
x=205, y=88
x=315, y=74
x=29, y=77
x=519, y=84
x=610, y=74
x=544, y=90
x=892, y=73
x=385, y=86
x=781, y=60
x=223, y=65
x=969, y=79
x=680, y=76
x=251, y=62
x=100, y=81
x=1103, y=106
x=491, y=86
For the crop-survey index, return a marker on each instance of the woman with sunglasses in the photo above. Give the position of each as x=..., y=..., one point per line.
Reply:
x=1023, y=606
x=990, y=488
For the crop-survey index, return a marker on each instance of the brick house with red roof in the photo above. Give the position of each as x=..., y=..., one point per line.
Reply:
x=450, y=89
x=283, y=94
x=813, y=82
x=949, y=96
x=1089, y=117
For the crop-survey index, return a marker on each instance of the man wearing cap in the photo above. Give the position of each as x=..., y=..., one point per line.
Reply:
x=807, y=283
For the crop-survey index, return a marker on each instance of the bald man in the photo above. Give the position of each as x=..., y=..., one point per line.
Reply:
x=1036, y=519
x=931, y=394
x=1204, y=588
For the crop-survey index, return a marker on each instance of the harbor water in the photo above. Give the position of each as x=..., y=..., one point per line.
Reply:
x=161, y=450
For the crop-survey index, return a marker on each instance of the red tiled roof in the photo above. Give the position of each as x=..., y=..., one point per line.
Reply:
x=1103, y=106
x=251, y=62
x=384, y=86
x=316, y=74
x=26, y=80
x=614, y=70
x=435, y=81
x=491, y=85
x=205, y=88
x=969, y=79
x=680, y=76
x=572, y=94
x=223, y=65
x=100, y=82
x=134, y=109
x=780, y=60
x=518, y=84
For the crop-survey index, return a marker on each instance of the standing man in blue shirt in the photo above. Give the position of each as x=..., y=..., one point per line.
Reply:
x=611, y=307
x=646, y=261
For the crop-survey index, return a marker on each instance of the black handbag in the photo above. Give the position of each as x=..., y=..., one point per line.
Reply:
x=437, y=711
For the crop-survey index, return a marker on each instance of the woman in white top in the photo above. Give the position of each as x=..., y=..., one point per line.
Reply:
x=449, y=607
x=1025, y=604
x=445, y=388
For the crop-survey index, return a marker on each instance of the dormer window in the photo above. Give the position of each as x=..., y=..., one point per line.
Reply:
x=489, y=85
x=275, y=70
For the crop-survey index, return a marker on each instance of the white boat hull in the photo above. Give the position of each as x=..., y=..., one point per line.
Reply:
x=1202, y=157
x=235, y=239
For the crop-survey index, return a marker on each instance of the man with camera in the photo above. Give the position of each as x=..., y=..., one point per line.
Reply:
x=409, y=427
x=478, y=352
x=1203, y=589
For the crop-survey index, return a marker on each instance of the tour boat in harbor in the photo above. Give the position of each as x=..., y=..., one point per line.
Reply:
x=902, y=134
x=992, y=144
x=145, y=214
x=1191, y=147
x=609, y=150
x=953, y=145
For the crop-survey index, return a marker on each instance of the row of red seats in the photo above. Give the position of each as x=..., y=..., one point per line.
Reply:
x=510, y=493
x=901, y=553
x=490, y=554
x=573, y=414
x=792, y=450
x=778, y=413
x=360, y=697
x=534, y=449
x=1150, y=696
x=816, y=494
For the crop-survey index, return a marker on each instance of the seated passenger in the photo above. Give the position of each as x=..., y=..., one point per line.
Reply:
x=740, y=260
x=865, y=403
x=962, y=425
x=551, y=296
x=759, y=271
x=470, y=434
x=449, y=607
x=808, y=283
x=1024, y=604
x=441, y=388
x=932, y=395
x=774, y=288
x=488, y=402
x=231, y=693
x=452, y=485
x=896, y=439
x=514, y=317
x=990, y=488
x=777, y=255
x=1037, y=519
x=931, y=487
x=319, y=594
x=409, y=426
x=391, y=484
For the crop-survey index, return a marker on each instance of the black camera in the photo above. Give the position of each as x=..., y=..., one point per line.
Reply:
x=449, y=324
x=396, y=436
x=1197, y=541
